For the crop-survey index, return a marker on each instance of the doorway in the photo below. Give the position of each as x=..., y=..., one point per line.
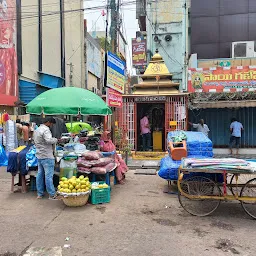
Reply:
x=156, y=113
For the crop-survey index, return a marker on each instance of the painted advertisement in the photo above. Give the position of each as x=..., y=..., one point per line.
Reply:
x=114, y=98
x=115, y=73
x=8, y=56
x=139, y=56
x=222, y=79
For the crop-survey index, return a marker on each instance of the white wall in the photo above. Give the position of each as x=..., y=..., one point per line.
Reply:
x=29, y=41
x=74, y=42
x=51, y=38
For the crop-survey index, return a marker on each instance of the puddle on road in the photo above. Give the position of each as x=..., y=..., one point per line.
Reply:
x=226, y=246
x=166, y=222
x=102, y=209
x=222, y=225
x=200, y=232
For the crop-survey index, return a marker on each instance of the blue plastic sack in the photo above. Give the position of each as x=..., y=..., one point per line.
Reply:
x=198, y=144
x=169, y=170
x=31, y=158
x=3, y=157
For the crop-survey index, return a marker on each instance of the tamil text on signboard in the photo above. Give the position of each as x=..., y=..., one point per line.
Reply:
x=114, y=98
x=139, y=57
x=219, y=79
x=115, y=73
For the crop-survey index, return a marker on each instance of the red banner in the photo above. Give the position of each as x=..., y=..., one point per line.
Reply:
x=139, y=56
x=8, y=57
x=114, y=98
x=222, y=79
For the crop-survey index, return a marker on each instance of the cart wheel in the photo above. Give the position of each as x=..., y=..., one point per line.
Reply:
x=242, y=179
x=199, y=186
x=249, y=190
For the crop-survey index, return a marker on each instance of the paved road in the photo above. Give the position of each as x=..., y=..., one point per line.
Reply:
x=140, y=220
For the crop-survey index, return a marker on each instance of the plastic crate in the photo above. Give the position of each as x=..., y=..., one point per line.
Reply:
x=101, y=195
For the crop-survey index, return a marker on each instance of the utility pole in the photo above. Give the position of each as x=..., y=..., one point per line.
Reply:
x=113, y=27
x=70, y=74
x=183, y=86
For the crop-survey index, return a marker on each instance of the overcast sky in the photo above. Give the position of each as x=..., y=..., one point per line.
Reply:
x=96, y=22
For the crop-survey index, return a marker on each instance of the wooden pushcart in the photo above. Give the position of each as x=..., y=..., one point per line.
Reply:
x=201, y=191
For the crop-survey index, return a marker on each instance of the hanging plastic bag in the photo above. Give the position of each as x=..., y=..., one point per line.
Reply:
x=3, y=157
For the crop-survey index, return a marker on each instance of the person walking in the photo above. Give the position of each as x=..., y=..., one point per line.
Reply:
x=44, y=152
x=145, y=132
x=201, y=127
x=236, y=129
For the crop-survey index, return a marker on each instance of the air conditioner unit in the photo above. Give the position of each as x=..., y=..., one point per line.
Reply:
x=245, y=49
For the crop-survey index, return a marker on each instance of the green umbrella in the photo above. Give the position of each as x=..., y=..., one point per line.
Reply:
x=68, y=101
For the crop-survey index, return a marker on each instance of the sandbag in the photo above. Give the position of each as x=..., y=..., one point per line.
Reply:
x=84, y=170
x=92, y=155
x=109, y=167
x=98, y=170
x=103, y=161
x=82, y=162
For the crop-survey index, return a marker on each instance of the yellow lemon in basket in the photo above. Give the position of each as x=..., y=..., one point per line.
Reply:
x=68, y=190
x=63, y=178
x=83, y=190
x=81, y=177
x=78, y=186
x=83, y=186
x=83, y=182
x=71, y=187
x=59, y=187
x=88, y=183
x=87, y=189
x=73, y=177
x=73, y=190
x=100, y=186
x=79, y=191
x=66, y=182
x=65, y=186
x=62, y=190
x=86, y=178
x=74, y=183
x=61, y=183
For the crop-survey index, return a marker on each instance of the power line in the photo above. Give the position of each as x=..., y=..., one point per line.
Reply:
x=65, y=11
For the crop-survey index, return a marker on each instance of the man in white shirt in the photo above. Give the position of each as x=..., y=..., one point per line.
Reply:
x=201, y=127
x=236, y=129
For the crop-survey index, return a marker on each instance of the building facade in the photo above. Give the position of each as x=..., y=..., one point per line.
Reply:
x=216, y=24
x=166, y=24
x=50, y=46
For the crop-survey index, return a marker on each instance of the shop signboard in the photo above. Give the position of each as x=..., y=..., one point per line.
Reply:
x=227, y=79
x=8, y=56
x=150, y=99
x=139, y=56
x=114, y=98
x=115, y=73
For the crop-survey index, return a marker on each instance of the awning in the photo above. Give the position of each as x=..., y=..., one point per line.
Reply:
x=224, y=104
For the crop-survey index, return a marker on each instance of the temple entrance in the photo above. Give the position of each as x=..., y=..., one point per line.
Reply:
x=156, y=113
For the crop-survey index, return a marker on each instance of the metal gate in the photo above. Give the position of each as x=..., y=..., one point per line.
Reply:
x=126, y=117
x=176, y=109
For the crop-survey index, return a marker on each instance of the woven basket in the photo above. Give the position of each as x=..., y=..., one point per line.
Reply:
x=76, y=201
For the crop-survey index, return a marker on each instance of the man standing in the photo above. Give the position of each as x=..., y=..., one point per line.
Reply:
x=145, y=132
x=236, y=129
x=44, y=152
x=19, y=132
x=201, y=127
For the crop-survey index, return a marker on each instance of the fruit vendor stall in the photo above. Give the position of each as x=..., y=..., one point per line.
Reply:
x=80, y=166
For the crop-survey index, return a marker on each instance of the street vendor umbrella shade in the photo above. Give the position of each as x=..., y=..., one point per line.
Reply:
x=68, y=101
